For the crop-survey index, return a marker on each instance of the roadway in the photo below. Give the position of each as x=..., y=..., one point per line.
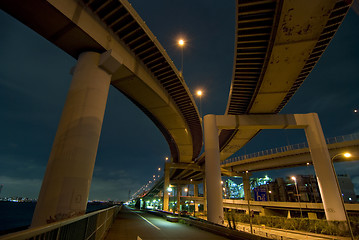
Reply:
x=135, y=224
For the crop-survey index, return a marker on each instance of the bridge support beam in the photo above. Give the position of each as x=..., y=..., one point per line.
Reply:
x=204, y=195
x=330, y=191
x=166, y=185
x=246, y=186
x=323, y=166
x=195, y=194
x=66, y=184
x=213, y=171
x=179, y=193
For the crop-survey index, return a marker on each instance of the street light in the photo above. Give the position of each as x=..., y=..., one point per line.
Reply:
x=181, y=43
x=346, y=155
x=199, y=93
x=296, y=188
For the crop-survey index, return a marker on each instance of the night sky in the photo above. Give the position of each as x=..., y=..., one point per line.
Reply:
x=35, y=77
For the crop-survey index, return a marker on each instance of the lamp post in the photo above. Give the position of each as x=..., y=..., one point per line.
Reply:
x=346, y=155
x=199, y=93
x=181, y=43
x=296, y=188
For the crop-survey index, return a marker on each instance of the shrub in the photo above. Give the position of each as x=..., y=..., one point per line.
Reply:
x=300, y=224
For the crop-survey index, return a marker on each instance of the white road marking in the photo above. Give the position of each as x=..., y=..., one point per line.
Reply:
x=149, y=222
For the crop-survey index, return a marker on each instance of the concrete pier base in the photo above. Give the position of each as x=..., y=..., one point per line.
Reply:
x=328, y=184
x=213, y=171
x=67, y=180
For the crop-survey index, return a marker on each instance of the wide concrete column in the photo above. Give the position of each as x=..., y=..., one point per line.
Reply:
x=165, y=187
x=328, y=185
x=67, y=180
x=213, y=170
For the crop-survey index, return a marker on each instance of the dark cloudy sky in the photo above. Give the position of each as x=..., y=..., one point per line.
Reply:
x=35, y=77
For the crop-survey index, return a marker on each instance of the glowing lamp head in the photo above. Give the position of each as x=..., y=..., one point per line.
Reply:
x=181, y=42
x=293, y=178
x=347, y=155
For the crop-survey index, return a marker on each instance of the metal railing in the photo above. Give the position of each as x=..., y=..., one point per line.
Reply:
x=350, y=137
x=91, y=226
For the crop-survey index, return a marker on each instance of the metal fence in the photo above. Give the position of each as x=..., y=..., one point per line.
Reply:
x=350, y=137
x=91, y=226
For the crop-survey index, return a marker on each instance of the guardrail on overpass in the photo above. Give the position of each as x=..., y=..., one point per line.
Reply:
x=339, y=139
x=89, y=226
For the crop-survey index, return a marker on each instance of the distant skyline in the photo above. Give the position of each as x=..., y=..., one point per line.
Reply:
x=35, y=77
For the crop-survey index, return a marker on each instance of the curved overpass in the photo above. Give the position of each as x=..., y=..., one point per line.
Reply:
x=147, y=76
x=277, y=45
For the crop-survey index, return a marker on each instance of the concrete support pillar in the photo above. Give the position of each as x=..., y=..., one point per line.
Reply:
x=246, y=186
x=327, y=181
x=312, y=215
x=165, y=187
x=67, y=179
x=195, y=194
x=329, y=189
x=213, y=171
x=179, y=193
x=204, y=195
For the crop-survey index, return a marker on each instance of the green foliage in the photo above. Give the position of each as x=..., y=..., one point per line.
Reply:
x=299, y=224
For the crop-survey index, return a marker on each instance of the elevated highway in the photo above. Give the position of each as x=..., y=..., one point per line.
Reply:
x=114, y=47
x=277, y=45
x=290, y=156
x=147, y=76
x=283, y=157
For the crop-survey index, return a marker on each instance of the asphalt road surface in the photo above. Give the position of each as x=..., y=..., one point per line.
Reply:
x=137, y=225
